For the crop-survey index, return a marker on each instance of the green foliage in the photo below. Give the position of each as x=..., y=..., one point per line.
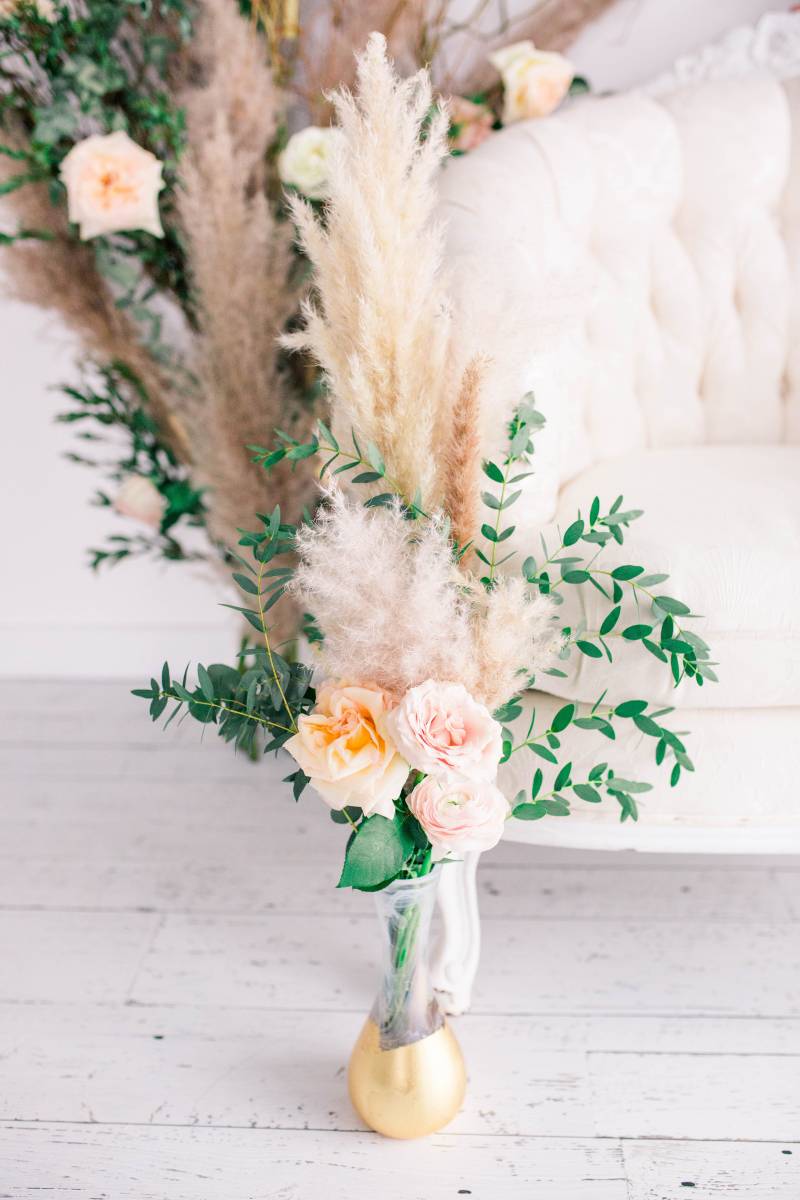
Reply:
x=116, y=403
x=269, y=697
x=98, y=70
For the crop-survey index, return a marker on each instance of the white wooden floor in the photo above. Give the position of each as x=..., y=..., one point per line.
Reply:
x=180, y=985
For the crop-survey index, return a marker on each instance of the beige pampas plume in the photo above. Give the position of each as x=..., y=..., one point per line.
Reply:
x=385, y=591
x=514, y=637
x=239, y=259
x=380, y=326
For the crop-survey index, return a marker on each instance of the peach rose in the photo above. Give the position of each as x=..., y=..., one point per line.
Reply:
x=459, y=814
x=112, y=184
x=138, y=497
x=345, y=748
x=472, y=123
x=441, y=729
x=534, y=81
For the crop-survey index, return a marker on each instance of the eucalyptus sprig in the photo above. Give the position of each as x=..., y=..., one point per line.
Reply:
x=113, y=402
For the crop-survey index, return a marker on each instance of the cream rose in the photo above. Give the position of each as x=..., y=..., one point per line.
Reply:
x=459, y=814
x=138, y=497
x=345, y=748
x=534, y=81
x=472, y=123
x=306, y=161
x=112, y=184
x=440, y=728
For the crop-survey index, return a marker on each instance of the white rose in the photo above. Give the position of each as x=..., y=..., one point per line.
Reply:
x=305, y=161
x=112, y=184
x=535, y=81
x=138, y=497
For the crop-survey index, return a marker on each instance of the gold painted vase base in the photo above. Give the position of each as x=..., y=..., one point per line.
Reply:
x=410, y=1091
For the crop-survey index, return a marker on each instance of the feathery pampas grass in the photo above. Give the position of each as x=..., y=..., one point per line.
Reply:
x=396, y=610
x=239, y=259
x=381, y=327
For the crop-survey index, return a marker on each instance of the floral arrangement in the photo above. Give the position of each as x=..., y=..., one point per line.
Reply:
x=147, y=178
x=424, y=624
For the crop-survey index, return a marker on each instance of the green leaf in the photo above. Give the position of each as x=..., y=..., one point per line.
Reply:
x=573, y=532
x=589, y=649
x=628, y=785
x=586, y=792
x=635, y=633
x=543, y=752
x=630, y=708
x=562, y=719
x=374, y=458
x=493, y=471
x=536, y=785
x=594, y=511
x=675, y=607
x=375, y=854
x=530, y=812
x=245, y=583
x=206, y=686
x=610, y=620
x=575, y=576
x=626, y=572
x=326, y=433
x=562, y=779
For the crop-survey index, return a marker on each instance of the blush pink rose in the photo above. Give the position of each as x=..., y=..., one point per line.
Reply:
x=471, y=123
x=112, y=184
x=440, y=729
x=138, y=497
x=459, y=814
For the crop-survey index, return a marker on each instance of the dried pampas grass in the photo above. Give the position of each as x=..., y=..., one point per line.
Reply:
x=239, y=260
x=380, y=327
x=386, y=602
x=396, y=610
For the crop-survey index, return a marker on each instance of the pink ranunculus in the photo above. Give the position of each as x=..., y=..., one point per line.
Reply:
x=138, y=497
x=459, y=814
x=471, y=123
x=439, y=728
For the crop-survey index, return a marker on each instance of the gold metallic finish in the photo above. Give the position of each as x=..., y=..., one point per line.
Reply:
x=410, y=1091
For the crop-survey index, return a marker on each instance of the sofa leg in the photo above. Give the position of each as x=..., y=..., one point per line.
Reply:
x=457, y=951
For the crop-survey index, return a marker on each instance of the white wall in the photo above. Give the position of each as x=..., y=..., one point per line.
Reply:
x=57, y=617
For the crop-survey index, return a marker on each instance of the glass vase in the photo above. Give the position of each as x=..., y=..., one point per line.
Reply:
x=406, y=1074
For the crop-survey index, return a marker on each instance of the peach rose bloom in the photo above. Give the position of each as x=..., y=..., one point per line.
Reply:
x=112, y=184
x=534, y=81
x=441, y=729
x=138, y=497
x=473, y=123
x=345, y=748
x=459, y=814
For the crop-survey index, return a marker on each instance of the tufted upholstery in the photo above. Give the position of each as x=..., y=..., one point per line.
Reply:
x=636, y=260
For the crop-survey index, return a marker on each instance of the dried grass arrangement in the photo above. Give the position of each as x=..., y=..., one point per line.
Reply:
x=144, y=154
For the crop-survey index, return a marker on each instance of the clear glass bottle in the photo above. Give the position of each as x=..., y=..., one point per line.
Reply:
x=406, y=1075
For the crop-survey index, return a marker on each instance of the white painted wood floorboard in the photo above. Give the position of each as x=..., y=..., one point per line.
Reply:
x=180, y=985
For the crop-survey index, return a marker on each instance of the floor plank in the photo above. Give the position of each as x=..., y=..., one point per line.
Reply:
x=180, y=984
x=134, y=1163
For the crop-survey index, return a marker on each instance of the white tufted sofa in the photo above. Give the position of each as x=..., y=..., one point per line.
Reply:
x=635, y=260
